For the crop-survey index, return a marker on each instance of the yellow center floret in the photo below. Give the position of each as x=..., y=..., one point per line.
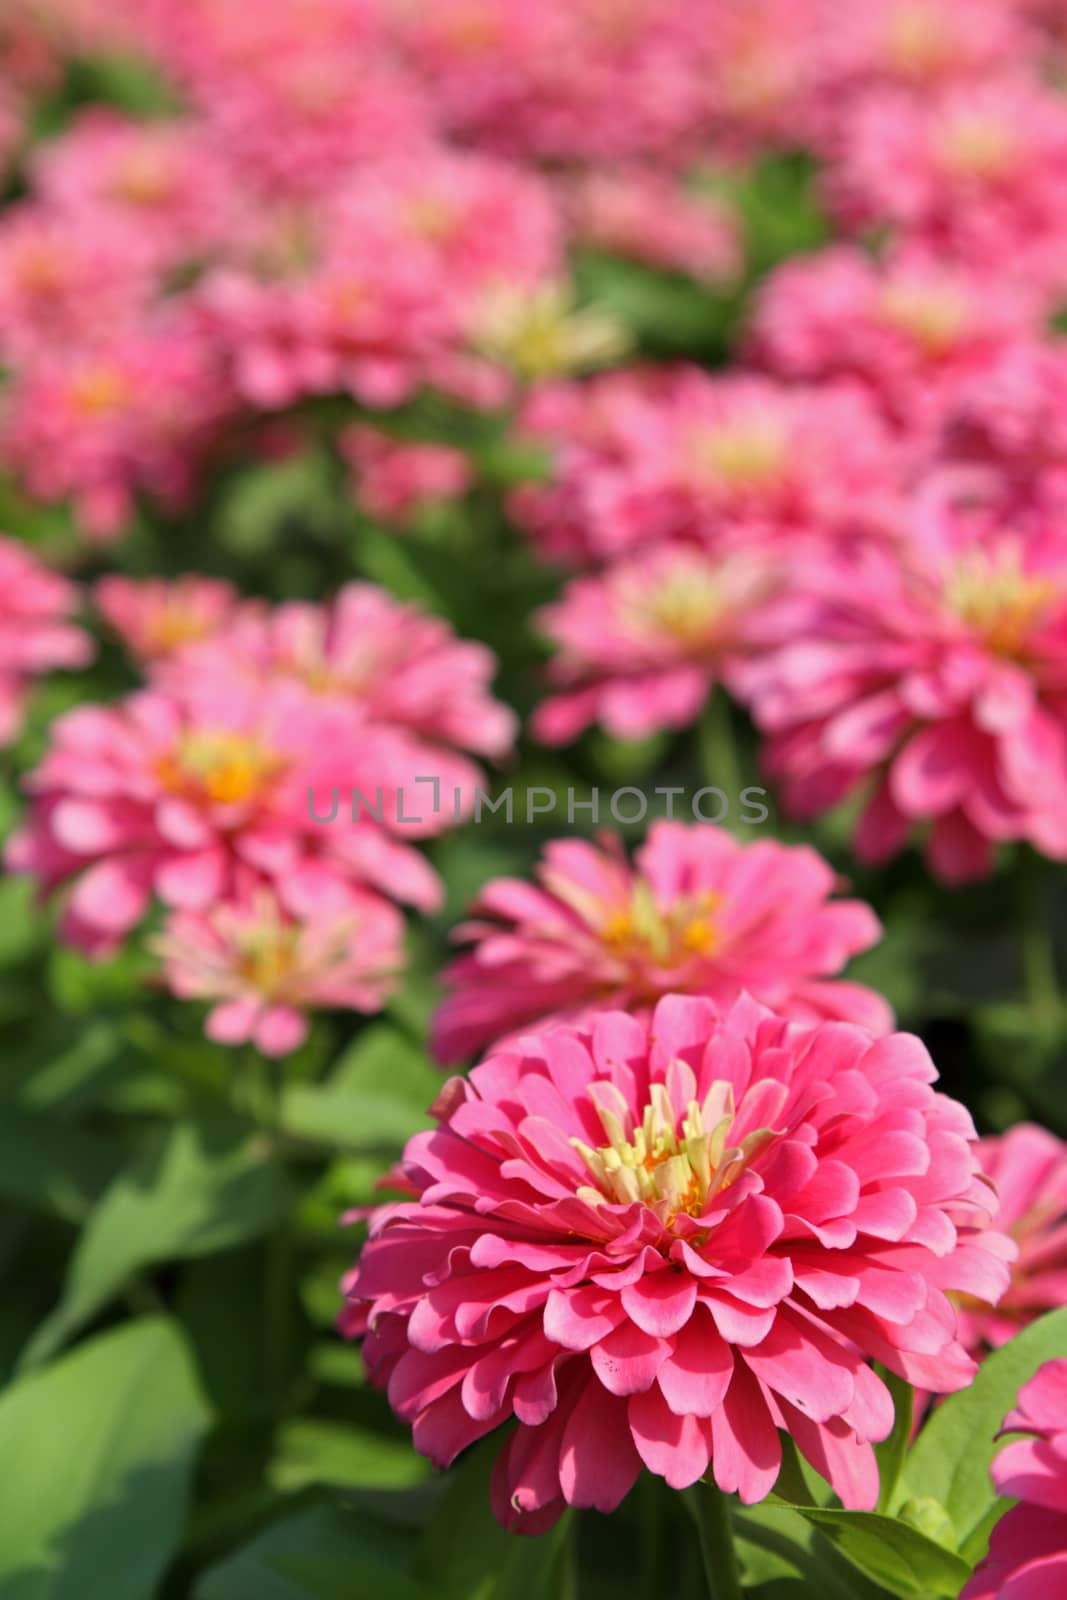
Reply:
x=674, y=1170
x=643, y=933
x=748, y=453
x=998, y=600
x=917, y=42
x=99, y=391
x=223, y=768
x=686, y=604
x=977, y=146
x=934, y=316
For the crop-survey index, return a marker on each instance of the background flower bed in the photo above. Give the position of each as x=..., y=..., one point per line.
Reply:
x=172, y=1203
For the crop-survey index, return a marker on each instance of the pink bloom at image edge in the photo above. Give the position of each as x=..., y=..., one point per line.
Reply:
x=658, y=1243
x=698, y=913
x=36, y=633
x=1028, y=1548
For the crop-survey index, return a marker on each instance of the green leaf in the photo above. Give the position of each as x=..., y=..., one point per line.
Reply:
x=774, y=1538
x=312, y=1450
x=50, y=1165
x=99, y=1452
x=953, y=1454
x=375, y=1098
x=899, y=1557
x=258, y=1571
x=195, y=1190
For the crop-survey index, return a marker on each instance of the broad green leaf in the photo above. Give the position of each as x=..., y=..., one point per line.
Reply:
x=99, y=1451
x=953, y=1454
x=487, y=1562
x=323, y=1533
x=897, y=1556
x=375, y=1097
x=312, y=1450
x=51, y=1165
x=773, y=1537
x=192, y=1192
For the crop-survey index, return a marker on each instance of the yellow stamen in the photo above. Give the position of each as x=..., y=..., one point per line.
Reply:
x=935, y=317
x=998, y=600
x=223, y=768
x=747, y=453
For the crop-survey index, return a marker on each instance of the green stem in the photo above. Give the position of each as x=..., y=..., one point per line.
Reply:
x=710, y=1509
x=718, y=752
x=1039, y=958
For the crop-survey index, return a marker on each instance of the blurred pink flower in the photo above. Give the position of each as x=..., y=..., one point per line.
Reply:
x=659, y=1243
x=393, y=664
x=394, y=477
x=1028, y=1548
x=159, y=617
x=914, y=327
x=101, y=426
x=640, y=645
x=1028, y=1169
x=697, y=913
x=978, y=172
x=936, y=676
x=644, y=456
x=36, y=631
x=262, y=970
x=649, y=216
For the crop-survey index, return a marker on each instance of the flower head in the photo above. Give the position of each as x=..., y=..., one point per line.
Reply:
x=640, y=645
x=659, y=1243
x=936, y=675
x=1028, y=1549
x=157, y=618
x=262, y=968
x=393, y=478
x=697, y=913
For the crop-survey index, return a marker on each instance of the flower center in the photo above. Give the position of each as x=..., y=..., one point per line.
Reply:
x=934, y=317
x=144, y=179
x=538, y=333
x=992, y=595
x=749, y=453
x=223, y=768
x=99, y=391
x=643, y=934
x=175, y=625
x=917, y=42
x=672, y=1169
x=267, y=958
x=973, y=145
x=686, y=604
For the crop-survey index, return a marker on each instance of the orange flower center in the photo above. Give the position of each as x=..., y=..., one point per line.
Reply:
x=973, y=145
x=145, y=178
x=1001, y=603
x=222, y=768
x=99, y=391
x=747, y=453
x=643, y=934
x=933, y=316
x=918, y=45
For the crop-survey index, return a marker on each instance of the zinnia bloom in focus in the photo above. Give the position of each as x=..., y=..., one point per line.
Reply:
x=1028, y=1549
x=697, y=913
x=658, y=1243
x=937, y=676
x=36, y=633
x=263, y=969
x=1028, y=1168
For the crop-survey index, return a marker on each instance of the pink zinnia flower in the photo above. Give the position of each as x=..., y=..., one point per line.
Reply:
x=1028, y=1169
x=395, y=665
x=640, y=645
x=190, y=792
x=392, y=477
x=263, y=969
x=937, y=676
x=643, y=457
x=159, y=617
x=697, y=913
x=977, y=171
x=36, y=633
x=1028, y=1549
x=658, y=1243
x=914, y=327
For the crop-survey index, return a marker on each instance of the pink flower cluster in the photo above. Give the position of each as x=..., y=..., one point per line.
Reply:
x=656, y=1243
x=206, y=789
x=1028, y=1549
